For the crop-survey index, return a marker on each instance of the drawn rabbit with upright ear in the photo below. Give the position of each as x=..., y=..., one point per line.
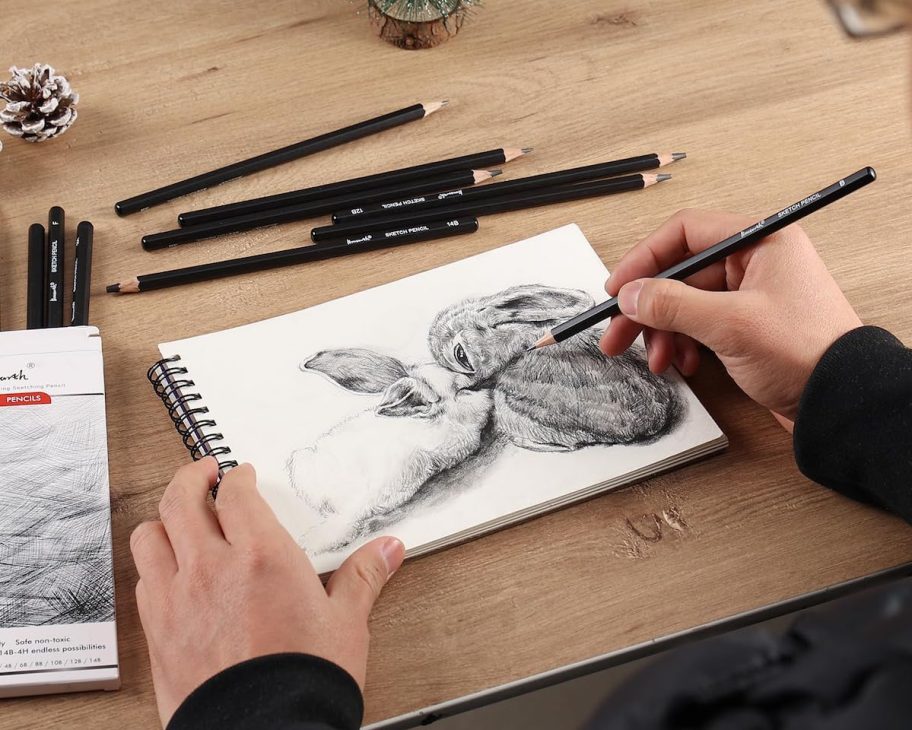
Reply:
x=557, y=398
x=425, y=422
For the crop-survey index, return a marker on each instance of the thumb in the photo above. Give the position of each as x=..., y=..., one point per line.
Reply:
x=666, y=304
x=358, y=581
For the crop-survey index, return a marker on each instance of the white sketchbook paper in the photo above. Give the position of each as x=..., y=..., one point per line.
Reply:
x=414, y=408
x=57, y=629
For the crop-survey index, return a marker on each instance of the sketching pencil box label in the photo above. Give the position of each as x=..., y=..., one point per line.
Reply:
x=57, y=628
x=25, y=399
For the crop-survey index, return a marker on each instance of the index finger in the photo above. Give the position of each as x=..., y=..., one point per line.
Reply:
x=686, y=233
x=243, y=513
x=189, y=522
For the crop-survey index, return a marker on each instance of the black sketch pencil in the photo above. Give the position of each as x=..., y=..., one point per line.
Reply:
x=55, y=258
x=37, y=250
x=302, y=254
x=717, y=252
x=291, y=213
x=520, y=201
x=277, y=157
x=82, y=274
x=386, y=179
x=392, y=206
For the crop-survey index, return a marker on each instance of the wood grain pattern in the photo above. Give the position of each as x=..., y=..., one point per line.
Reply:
x=768, y=99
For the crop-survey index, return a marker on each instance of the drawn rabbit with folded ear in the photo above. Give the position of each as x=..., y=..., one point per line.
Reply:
x=557, y=398
x=425, y=422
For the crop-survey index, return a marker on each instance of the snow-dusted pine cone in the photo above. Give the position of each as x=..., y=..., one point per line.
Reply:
x=39, y=103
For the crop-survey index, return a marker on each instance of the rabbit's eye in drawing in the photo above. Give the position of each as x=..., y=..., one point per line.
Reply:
x=460, y=354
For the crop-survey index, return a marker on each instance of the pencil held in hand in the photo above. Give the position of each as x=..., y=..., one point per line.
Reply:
x=748, y=237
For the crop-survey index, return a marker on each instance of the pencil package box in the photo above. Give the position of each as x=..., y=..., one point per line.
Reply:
x=57, y=627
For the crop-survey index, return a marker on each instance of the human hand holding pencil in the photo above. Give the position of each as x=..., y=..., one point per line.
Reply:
x=769, y=311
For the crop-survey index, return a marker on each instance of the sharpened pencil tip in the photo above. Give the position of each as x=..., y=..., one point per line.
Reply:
x=112, y=288
x=662, y=177
x=527, y=150
x=433, y=106
x=678, y=156
x=495, y=173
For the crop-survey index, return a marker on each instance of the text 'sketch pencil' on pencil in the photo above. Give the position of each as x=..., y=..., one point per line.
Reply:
x=292, y=213
x=368, y=241
x=392, y=206
x=55, y=261
x=517, y=201
x=741, y=240
x=378, y=181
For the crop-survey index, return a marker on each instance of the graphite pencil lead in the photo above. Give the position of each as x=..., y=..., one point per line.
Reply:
x=130, y=286
x=433, y=106
x=653, y=179
x=527, y=150
x=495, y=173
x=545, y=341
x=666, y=158
x=511, y=153
x=480, y=176
x=661, y=177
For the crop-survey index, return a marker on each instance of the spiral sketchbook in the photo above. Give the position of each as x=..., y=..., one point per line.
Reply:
x=57, y=629
x=415, y=408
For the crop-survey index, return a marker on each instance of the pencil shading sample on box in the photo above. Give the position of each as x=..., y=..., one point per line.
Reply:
x=416, y=409
x=57, y=629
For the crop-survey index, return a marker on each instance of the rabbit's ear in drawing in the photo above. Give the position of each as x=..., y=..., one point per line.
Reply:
x=532, y=303
x=408, y=397
x=358, y=370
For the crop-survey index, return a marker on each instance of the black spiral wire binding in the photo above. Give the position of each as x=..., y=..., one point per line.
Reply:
x=171, y=385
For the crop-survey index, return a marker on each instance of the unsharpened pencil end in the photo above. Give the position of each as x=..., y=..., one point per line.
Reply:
x=112, y=288
x=678, y=156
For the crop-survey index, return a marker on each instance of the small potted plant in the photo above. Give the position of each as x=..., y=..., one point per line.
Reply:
x=417, y=24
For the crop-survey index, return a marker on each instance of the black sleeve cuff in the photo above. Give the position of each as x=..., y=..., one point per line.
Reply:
x=853, y=431
x=279, y=692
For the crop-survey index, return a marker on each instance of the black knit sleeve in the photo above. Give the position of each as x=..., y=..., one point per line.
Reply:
x=853, y=432
x=279, y=692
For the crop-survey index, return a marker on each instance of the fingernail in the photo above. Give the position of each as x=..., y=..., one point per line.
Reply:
x=393, y=552
x=627, y=297
x=608, y=285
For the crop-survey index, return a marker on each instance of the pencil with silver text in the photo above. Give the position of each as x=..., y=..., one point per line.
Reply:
x=717, y=252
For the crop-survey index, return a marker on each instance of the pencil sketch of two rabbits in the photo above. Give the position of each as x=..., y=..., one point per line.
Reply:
x=484, y=385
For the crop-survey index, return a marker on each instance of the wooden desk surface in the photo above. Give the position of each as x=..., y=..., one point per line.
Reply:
x=768, y=99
